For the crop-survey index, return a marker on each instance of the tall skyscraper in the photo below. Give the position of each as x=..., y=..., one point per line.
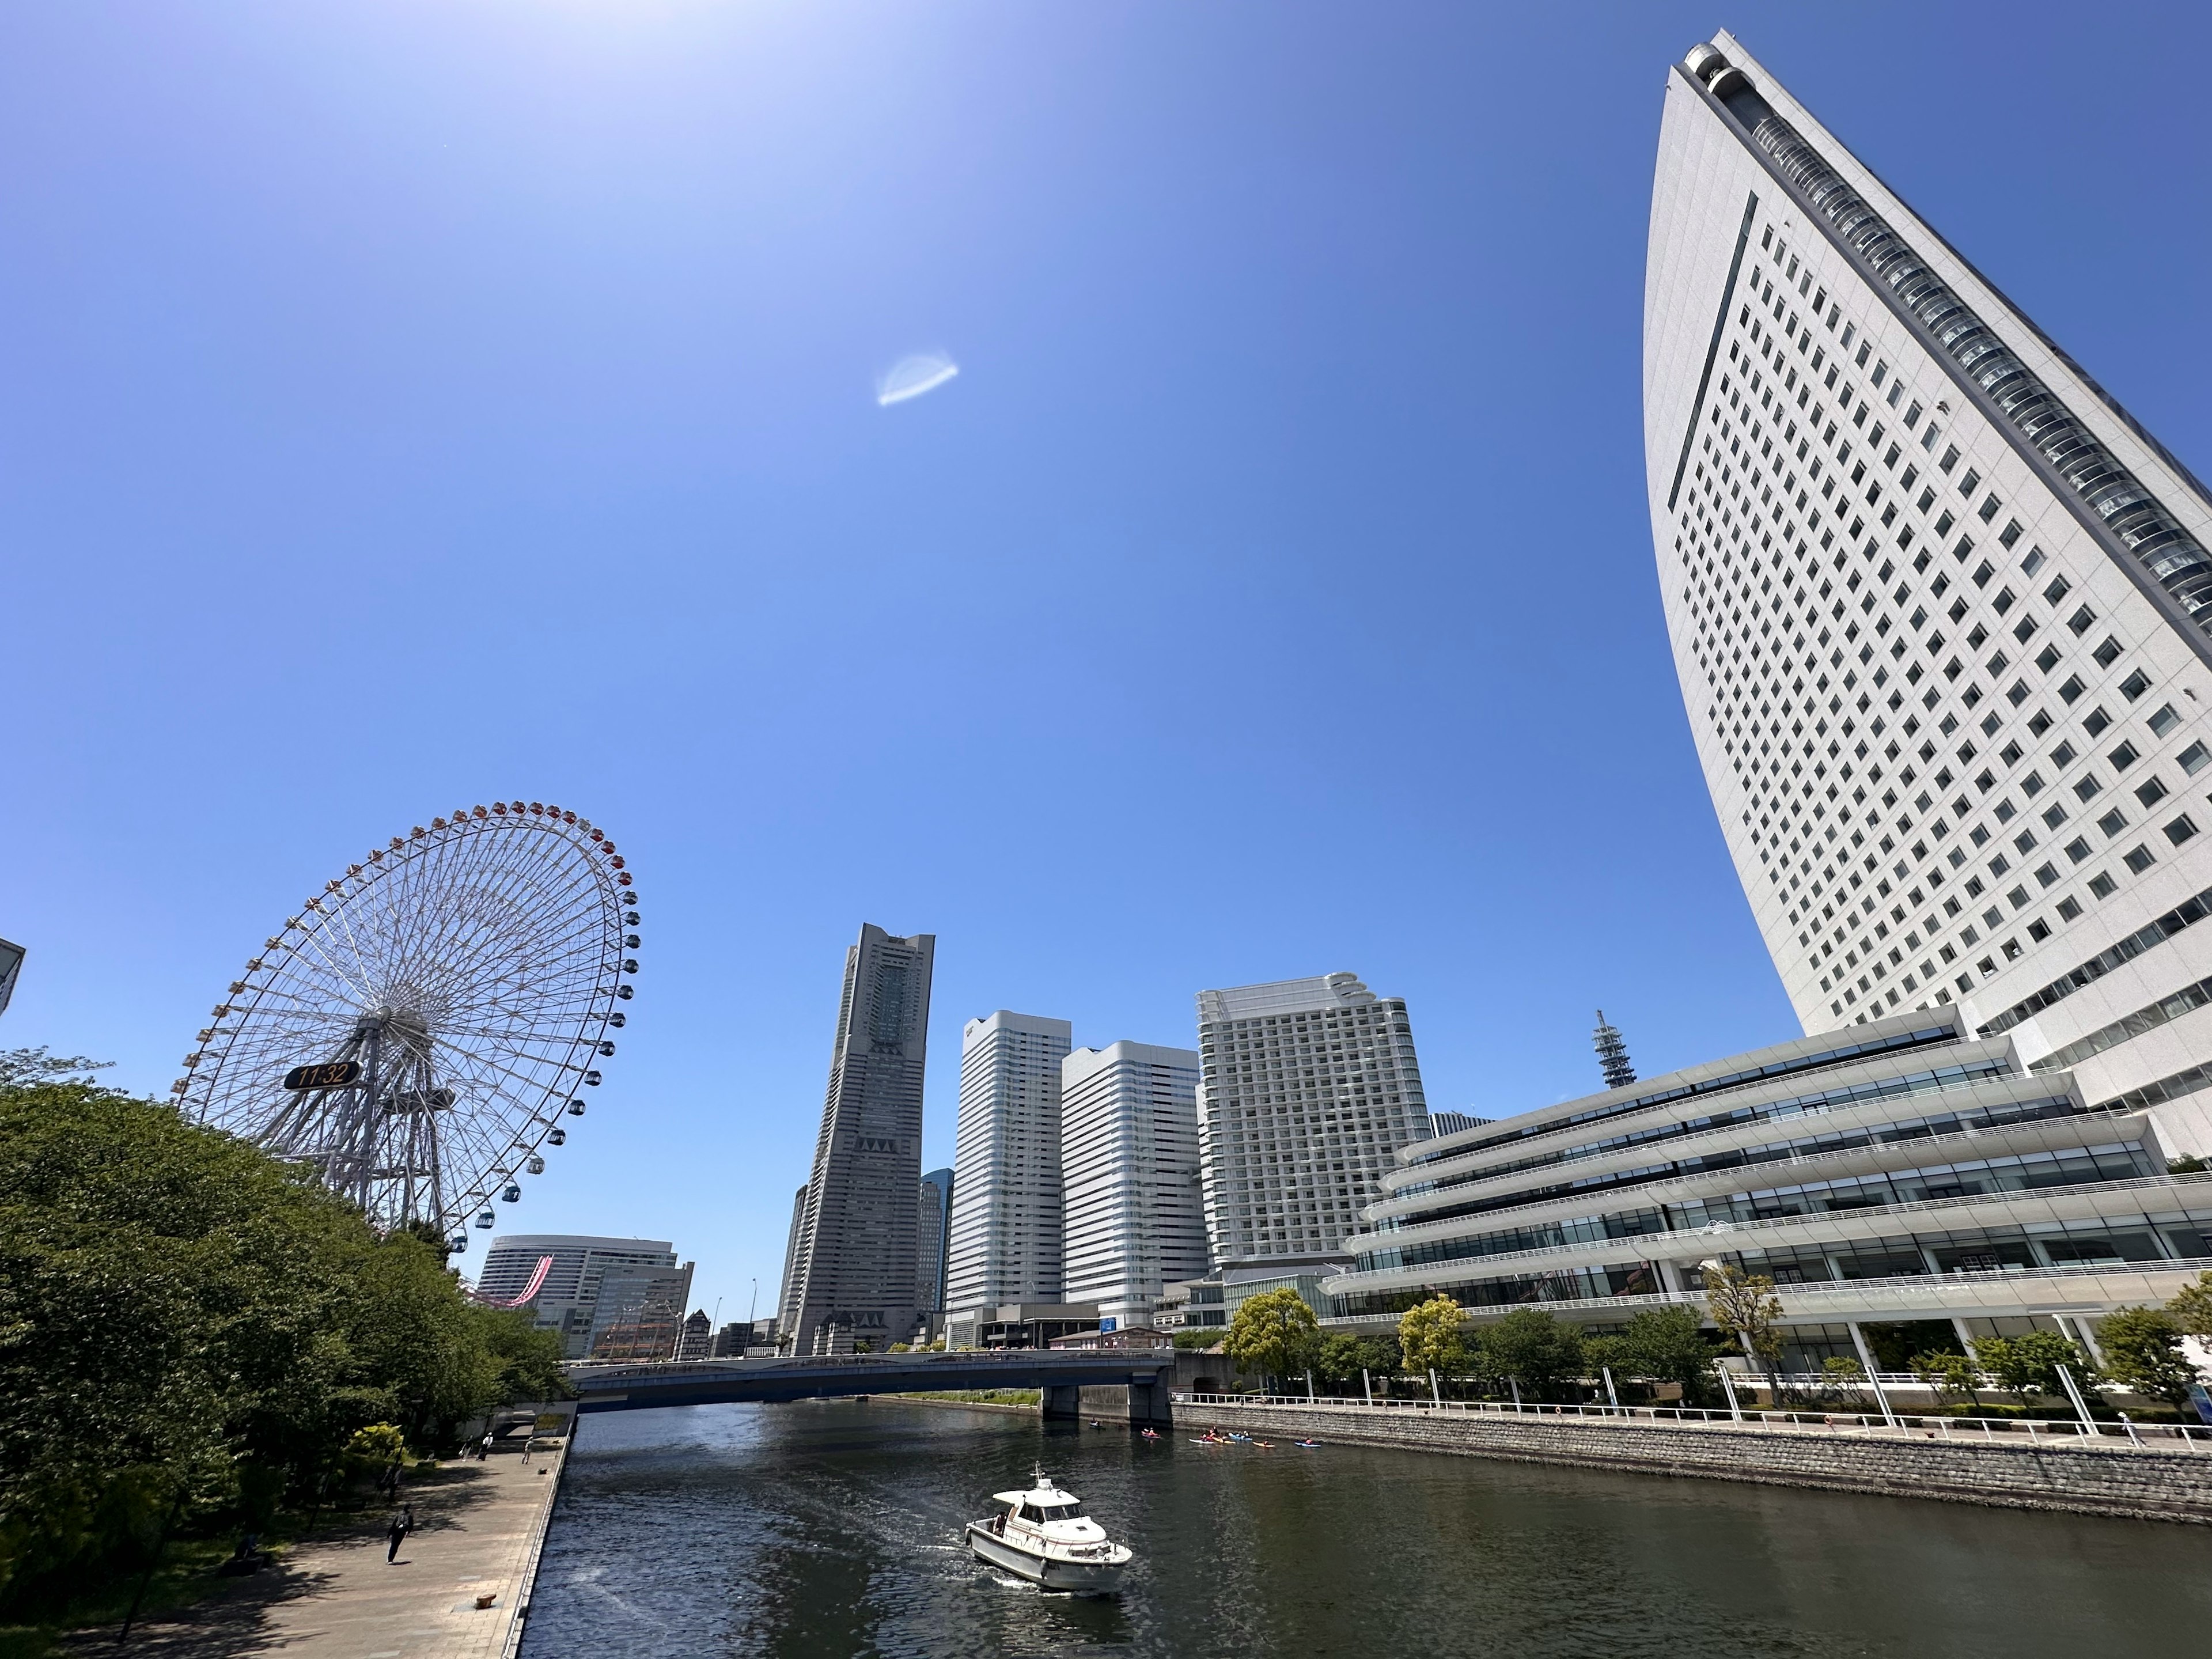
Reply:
x=1308, y=1089
x=856, y=1277
x=1006, y=1242
x=787, y=1301
x=935, y=1224
x=1940, y=611
x=1129, y=1137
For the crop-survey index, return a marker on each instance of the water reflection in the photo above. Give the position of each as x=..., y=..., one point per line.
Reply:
x=826, y=1530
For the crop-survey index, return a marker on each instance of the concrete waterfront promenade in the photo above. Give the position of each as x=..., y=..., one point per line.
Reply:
x=2158, y=1480
x=479, y=1528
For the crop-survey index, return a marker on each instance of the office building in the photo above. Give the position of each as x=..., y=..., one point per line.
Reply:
x=855, y=1280
x=1004, y=1246
x=569, y=1291
x=1939, y=608
x=935, y=1223
x=1308, y=1089
x=696, y=1340
x=1134, y=1216
x=639, y=1313
x=1019, y=1324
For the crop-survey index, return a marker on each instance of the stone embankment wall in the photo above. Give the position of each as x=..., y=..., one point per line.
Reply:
x=2089, y=1477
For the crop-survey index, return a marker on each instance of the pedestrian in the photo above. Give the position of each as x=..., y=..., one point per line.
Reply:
x=401, y=1526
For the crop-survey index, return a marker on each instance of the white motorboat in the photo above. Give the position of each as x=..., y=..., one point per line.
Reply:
x=1044, y=1534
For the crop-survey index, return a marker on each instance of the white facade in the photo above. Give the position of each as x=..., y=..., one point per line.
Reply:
x=1128, y=1137
x=1938, y=609
x=1005, y=1230
x=1308, y=1088
x=570, y=1294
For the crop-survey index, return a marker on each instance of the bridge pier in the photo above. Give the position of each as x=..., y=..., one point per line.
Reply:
x=1063, y=1404
x=1148, y=1403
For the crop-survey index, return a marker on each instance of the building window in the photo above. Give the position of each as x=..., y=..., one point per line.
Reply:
x=2069, y=907
x=2103, y=885
x=2180, y=829
x=2107, y=653
x=2072, y=689
x=2152, y=791
x=2192, y=758
x=2165, y=721
x=2135, y=685
x=2112, y=824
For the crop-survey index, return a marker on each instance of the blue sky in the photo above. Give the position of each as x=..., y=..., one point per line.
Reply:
x=406, y=405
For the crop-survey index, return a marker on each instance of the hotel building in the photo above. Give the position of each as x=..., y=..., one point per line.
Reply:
x=1939, y=610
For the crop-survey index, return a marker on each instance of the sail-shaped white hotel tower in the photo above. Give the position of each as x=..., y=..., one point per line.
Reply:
x=1940, y=611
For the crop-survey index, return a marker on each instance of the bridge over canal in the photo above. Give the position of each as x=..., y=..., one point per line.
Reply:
x=1059, y=1373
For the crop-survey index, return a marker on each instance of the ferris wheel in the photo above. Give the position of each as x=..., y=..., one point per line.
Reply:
x=416, y=1033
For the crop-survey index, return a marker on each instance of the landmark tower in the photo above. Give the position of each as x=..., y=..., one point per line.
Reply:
x=853, y=1279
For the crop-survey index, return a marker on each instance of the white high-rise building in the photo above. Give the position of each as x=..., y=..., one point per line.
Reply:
x=1128, y=1149
x=1006, y=1229
x=1308, y=1089
x=1940, y=611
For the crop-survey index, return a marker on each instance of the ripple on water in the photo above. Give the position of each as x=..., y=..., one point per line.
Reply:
x=830, y=1529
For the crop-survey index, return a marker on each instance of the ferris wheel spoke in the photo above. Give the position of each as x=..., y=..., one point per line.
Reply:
x=483, y=955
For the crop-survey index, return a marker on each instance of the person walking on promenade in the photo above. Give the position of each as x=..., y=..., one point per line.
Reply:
x=402, y=1524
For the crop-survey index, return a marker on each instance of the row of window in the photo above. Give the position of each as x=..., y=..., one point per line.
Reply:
x=1707, y=494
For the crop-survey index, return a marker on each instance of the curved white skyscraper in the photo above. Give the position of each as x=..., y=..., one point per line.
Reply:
x=1939, y=611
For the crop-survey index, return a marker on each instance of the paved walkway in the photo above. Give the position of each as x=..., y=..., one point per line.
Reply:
x=478, y=1528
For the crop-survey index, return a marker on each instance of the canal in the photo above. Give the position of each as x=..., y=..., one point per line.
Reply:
x=829, y=1529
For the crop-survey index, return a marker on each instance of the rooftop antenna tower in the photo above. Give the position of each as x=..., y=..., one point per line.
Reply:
x=1611, y=1054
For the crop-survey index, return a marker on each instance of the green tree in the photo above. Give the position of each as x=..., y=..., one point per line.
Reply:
x=189, y=1326
x=1274, y=1333
x=2027, y=1365
x=1533, y=1346
x=1431, y=1338
x=2142, y=1351
x=2193, y=1308
x=1745, y=1307
x=1948, y=1373
x=1340, y=1358
x=1669, y=1345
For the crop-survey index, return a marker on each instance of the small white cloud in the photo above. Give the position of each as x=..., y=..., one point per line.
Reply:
x=912, y=376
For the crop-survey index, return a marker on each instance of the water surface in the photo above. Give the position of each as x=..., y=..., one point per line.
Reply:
x=829, y=1529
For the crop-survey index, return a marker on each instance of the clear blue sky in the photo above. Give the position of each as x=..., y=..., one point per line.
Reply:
x=406, y=405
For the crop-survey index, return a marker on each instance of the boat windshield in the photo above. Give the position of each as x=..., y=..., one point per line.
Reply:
x=1051, y=1512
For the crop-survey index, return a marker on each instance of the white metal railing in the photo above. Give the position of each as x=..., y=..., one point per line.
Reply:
x=2124, y=1435
x=1812, y=1289
x=1715, y=1234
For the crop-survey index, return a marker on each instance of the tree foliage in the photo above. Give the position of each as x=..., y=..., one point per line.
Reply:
x=2028, y=1365
x=1669, y=1345
x=1531, y=1348
x=2193, y=1308
x=1273, y=1334
x=189, y=1326
x=1745, y=1307
x=1432, y=1338
x=2142, y=1351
